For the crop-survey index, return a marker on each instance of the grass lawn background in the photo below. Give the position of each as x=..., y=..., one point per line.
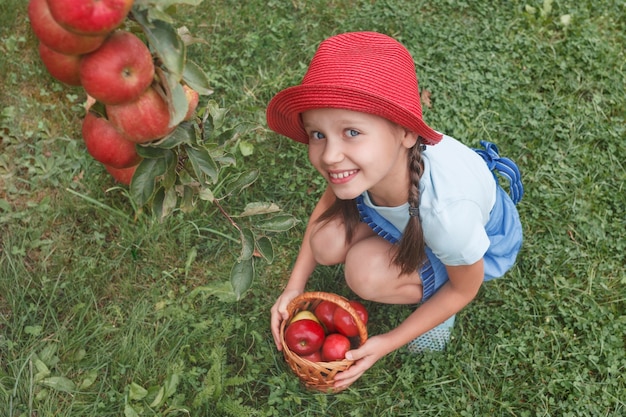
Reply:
x=105, y=314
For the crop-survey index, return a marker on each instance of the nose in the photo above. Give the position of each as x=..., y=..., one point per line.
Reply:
x=333, y=152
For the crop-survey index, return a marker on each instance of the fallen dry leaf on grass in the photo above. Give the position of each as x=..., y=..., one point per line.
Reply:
x=425, y=98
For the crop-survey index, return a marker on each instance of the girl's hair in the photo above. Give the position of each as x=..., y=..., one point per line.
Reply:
x=411, y=250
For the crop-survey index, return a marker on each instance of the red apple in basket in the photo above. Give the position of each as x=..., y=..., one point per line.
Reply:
x=345, y=324
x=313, y=357
x=119, y=71
x=91, y=17
x=55, y=36
x=64, y=68
x=106, y=144
x=304, y=337
x=335, y=347
x=324, y=312
x=143, y=120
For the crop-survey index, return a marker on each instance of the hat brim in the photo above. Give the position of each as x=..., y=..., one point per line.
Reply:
x=283, y=111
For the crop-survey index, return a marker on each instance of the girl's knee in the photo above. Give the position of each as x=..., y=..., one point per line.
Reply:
x=372, y=275
x=328, y=245
x=366, y=270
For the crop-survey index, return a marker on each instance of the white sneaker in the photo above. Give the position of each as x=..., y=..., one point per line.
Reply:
x=435, y=339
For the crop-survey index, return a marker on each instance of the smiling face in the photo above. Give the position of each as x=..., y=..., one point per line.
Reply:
x=357, y=151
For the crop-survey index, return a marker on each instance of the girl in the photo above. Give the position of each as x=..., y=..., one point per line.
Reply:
x=413, y=215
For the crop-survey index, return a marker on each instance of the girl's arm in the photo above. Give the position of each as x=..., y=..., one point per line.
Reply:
x=463, y=285
x=302, y=270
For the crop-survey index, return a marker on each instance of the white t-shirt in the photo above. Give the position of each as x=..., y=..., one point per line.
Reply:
x=457, y=193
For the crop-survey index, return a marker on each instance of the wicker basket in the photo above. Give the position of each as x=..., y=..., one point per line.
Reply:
x=318, y=375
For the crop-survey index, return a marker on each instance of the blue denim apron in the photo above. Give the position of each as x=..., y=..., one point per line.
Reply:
x=504, y=228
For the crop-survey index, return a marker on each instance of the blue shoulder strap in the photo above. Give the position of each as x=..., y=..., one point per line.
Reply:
x=505, y=167
x=381, y=226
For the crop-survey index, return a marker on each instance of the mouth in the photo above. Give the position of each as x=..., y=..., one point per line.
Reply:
x=339, y=177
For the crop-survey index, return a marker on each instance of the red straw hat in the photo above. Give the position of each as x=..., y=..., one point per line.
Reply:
x=360, y=71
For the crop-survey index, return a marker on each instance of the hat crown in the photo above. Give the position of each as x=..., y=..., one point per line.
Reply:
x=361, y=71
x=369, y=62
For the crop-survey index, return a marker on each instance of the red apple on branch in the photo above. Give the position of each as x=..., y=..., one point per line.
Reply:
x=143, y=120
x=64, y=68
x=119, y=71
x=90, y=17
x=193, y=97
x=57, y=38
x=122, y=175
x=106, y=144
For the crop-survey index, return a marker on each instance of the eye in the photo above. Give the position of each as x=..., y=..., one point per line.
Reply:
x=316, y=135
x=352, y=133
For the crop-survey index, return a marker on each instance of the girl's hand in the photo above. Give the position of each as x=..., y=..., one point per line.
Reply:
x=372, y=350
x=279, y=313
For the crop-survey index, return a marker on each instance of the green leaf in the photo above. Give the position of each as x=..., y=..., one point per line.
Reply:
x=144, y=181
x=4, y=205
x=59, y=383
x=242, y=181
x=49, y=354
x=33, y=330
x=246, y=148
x=137, y=392
x=216, y=113
x=279, y=223
x=178, y=105
x=89, y=379
x=206, y=194
x=185, y=133
x=159, y=398
x=225, y=136
x=265, y=248
x=225, y=160
x=156, y=14
x=42, y=369
x=241, y=277
x=170, y=175
x=129, y=411
x=164, y=202
x=256, y=208
x=171, y=384
x=223, y=290
x=247, y=244
x=186, y=201
x=202, y=163
x=166, y=42
x=196, y=78
x=151, y=152
x=169, y=202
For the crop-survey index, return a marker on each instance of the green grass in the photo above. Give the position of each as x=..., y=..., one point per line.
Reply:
x=105, y=314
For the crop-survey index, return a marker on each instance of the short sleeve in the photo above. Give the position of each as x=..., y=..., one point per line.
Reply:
x=456, y=233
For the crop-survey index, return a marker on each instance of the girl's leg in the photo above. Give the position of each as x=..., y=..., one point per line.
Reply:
x=371, y=274
x=328, y=241
x=368, y=268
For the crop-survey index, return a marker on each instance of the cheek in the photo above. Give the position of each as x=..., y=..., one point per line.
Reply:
x=314, y=156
